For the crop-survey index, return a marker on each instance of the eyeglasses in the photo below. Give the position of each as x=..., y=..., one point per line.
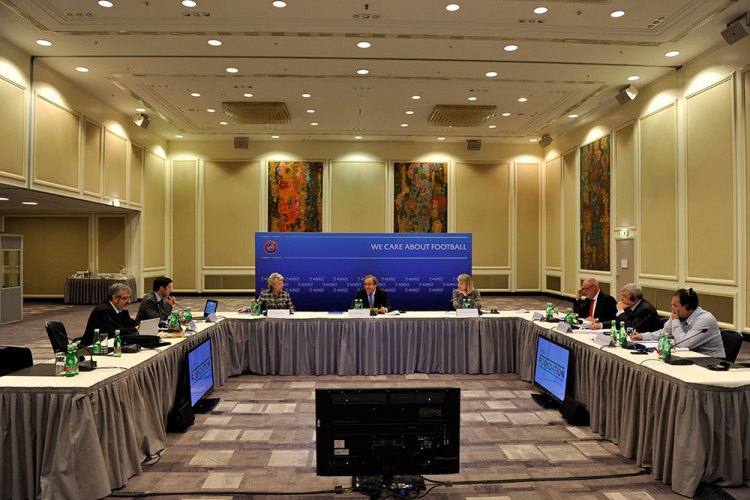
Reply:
x=126, y=299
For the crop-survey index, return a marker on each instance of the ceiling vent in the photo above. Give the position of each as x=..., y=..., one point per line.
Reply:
x=241, y=142
x=461, y=115
x=258, y=113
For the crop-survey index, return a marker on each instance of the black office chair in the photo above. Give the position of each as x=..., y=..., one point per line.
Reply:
x=58, y=336
x=14, y=358
x=732, y=344
x=663, y=321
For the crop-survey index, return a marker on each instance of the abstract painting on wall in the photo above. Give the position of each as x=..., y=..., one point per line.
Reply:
x=295, y=196
x=595, y=196
x=420, y=198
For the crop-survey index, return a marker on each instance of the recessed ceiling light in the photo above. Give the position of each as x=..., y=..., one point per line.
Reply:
x=540, y=10
x=452, y=7
x=82, y=69
x=672, y=53
x=441, y=138
x=506, y=114
x=522, y=99
x=492, y=126
x=105, y=3
x=472, y=98
x=29, y=203
x=211, y=110
x=510, y=48
x=306, y=94
x=491, y=74
x=416, y=97
x=363, y=71
x=214, y=42
x=357, y=137
x=3, y=198
x=43, y=42
x=410, y=112
x=195, y=94
x=617, y=13
x=633, y=78
x=274, y=137
x=404, y=124
x=189, y=3
x=178, y=136
x=314, y=124
x=223, y=123
x=533, y=140
x=364, y=45
x=311, y=111
x=247, y=94
x=573, y=115
x=141, y=110
x=279, y=4
x=232, y=70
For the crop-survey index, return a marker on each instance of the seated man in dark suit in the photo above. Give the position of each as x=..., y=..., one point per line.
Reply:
x=593, y=304
x=158, y=302
x=637, y=312
x=373, y=297
x=111, y=315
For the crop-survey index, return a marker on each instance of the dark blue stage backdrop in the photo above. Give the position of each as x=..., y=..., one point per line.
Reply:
x=323, y=271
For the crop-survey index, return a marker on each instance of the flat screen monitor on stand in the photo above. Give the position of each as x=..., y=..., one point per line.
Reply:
x=201, y=377
x=551, y=367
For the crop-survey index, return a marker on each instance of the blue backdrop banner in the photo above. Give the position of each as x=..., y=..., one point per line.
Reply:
x=323, y=271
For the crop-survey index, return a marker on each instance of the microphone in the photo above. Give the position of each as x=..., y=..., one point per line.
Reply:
x=552, y=319
x=682, y=361
x=83, y=365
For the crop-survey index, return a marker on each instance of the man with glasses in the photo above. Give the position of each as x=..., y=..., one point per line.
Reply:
x=111, y=315
x=593, y=304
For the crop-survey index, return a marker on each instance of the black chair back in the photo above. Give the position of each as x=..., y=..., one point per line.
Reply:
x=58, y=337
x=663, y=321
x=732, y=344
x=14, y=358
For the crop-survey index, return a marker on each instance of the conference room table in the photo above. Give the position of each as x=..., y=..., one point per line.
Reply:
x=94, y=290
x=84, y=436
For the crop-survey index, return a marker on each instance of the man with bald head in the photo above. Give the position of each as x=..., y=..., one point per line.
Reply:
x=593, y=304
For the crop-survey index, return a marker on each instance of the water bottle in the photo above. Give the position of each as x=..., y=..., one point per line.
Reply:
x=256, y=308
x=174, y=322
x=466, y=304
x=623, y=334
x=613, y=332
x=97, y=345
x=548, y=312
x=70, y=361
x=660, y=345
x=667, y=350
x=357, y=303
x=188, y=315
x=118, y=345
x=570, y=318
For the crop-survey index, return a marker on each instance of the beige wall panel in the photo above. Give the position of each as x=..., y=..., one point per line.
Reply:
x=92, y=159
x=111, y=243
x=710, y=184
x=115, y=167
x=552, y=208
x=483, y=209
x=624, y=173
x=56, y=146
x=154, y=212
x=570, y=225
x=12, y=143
x=351, y=183
x=136, y=174
x=658, y=194
x=230, y=212
x=184, y=239
x=53, y=249
x=747, y=190
x=527, y=226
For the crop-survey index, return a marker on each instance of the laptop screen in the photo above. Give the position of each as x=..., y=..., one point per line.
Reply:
x=211, y=307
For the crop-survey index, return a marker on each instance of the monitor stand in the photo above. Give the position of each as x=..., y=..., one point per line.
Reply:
x=392, y=486
x=205, y=405
x=545, y=401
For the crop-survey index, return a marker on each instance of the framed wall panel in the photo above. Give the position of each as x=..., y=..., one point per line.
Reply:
x=746, y=115
x=358, y=196
x=111, y=243
x=92, y=159
x=528, y=208
x=570, y=216
x=184, y=216
x=135, y=175
x=154, y=213
x=552, y=215
x=483, y=209
x=56, y=146
x=711, y=223
x=115, y=166
x=658, y=188
x=12, y=130
x=624, y=177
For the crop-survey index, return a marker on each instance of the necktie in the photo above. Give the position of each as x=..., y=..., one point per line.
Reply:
x=593, y=306
x=371, y=298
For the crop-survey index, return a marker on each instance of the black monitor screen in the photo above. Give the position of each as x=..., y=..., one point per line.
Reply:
x=362, y=432
x=200, y=371
x=551, y=368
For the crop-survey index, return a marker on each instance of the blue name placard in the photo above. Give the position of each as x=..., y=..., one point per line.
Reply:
x=323, y=271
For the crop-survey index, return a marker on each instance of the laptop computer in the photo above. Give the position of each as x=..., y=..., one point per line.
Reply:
x=211, y=307
x=149, y=327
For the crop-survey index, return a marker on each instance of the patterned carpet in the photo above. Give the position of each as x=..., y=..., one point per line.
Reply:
x=261, y=436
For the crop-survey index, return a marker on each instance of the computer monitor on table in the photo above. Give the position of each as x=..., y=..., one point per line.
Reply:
x=551, y=372
x=201, y=377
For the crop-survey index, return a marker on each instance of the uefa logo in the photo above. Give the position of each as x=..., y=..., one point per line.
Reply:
x=270, y=246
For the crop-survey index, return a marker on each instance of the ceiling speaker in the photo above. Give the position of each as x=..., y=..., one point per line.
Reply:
x=545, y=141
x=736, y=30
x=473, y=145
x=627, y=94
x=141, y=120
x=241, y=142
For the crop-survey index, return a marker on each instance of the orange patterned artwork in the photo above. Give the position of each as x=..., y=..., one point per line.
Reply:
x=421, y=198
x=295, y=201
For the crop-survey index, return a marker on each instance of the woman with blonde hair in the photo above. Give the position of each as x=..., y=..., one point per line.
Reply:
x=275, y=297
x=466, y=294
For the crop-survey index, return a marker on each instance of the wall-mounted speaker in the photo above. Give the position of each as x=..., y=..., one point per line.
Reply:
x=627, y=94
x=141, y=120
x=736, y=30
x=473, y=145
x=545, y=141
